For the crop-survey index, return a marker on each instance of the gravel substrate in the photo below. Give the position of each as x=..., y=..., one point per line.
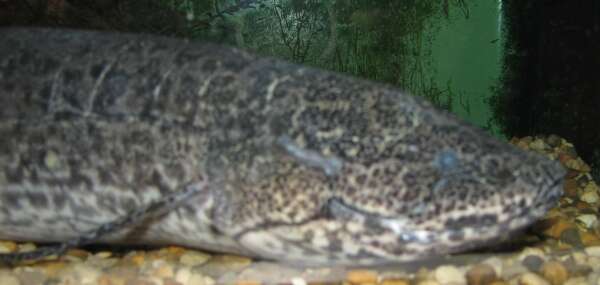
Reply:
x=565, y=249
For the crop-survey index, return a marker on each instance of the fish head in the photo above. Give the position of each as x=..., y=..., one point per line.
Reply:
x=390, y=179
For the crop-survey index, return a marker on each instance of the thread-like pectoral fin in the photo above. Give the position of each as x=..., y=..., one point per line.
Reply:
x=151, y=210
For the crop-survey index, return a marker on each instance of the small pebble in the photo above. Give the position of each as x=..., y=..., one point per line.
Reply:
x=103, y=254
x=83, y=273
x=593, y=251
x=449, y=274
x=183, y=275
x=532, y=251
x=578, y=281
x=361, y=276
x=588, y=220
x=539, y=145
x=532, y=279
x=579, y=257
x=7, y=246
x=141, y=281
x=570, y=187
x=241, y=282
x=164, y=270
x=558, y=225
x=577, y=164
x=555, y=272
x=481, y=274
x=26, y=247
x=137, y=258
x=533, y=262
x=594, y=262
x=553, y=140
x=395, y=282
x=514, y=269
x=199, y=279
x=77, y=253
x=592, y=187
x=590, y=239
x=52, y=269
x=193, y=258
x=571, y=237
x=495, y=263
x=428, y=282
x=298, y=281
x=170, y=281
x=590, y=197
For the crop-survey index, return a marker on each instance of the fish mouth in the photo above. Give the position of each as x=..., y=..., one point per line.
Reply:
x=399, y=225
x=483, y=229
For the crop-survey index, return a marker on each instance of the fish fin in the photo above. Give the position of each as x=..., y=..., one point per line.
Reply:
x=153, y=209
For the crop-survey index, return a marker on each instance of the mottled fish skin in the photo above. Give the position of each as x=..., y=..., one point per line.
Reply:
x=303, y=165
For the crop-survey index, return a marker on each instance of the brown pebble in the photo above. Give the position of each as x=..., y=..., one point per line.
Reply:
x=176, y=250
x=532, y=279
x=571, y=173
x=481, y=274
x=138, y=258
x=361, y=276
x=557, y=227
x=590, y=239
x=555, y=272
x=79, y=253
x=580, y=205
x=570, y=188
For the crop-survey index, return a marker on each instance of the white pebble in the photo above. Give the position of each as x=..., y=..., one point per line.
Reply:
x=298, y=281
x=593, y=251
x=183, y=275
x=199, y=279
x=588, y=220
x=590, y=197
x=449, y=274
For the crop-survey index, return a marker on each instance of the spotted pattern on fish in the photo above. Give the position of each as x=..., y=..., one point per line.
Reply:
x=297, y=164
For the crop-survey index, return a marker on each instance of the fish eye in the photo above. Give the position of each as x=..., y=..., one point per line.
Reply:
x=446, y=161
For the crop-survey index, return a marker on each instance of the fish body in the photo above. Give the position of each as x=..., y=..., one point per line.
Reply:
x=293, y=163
